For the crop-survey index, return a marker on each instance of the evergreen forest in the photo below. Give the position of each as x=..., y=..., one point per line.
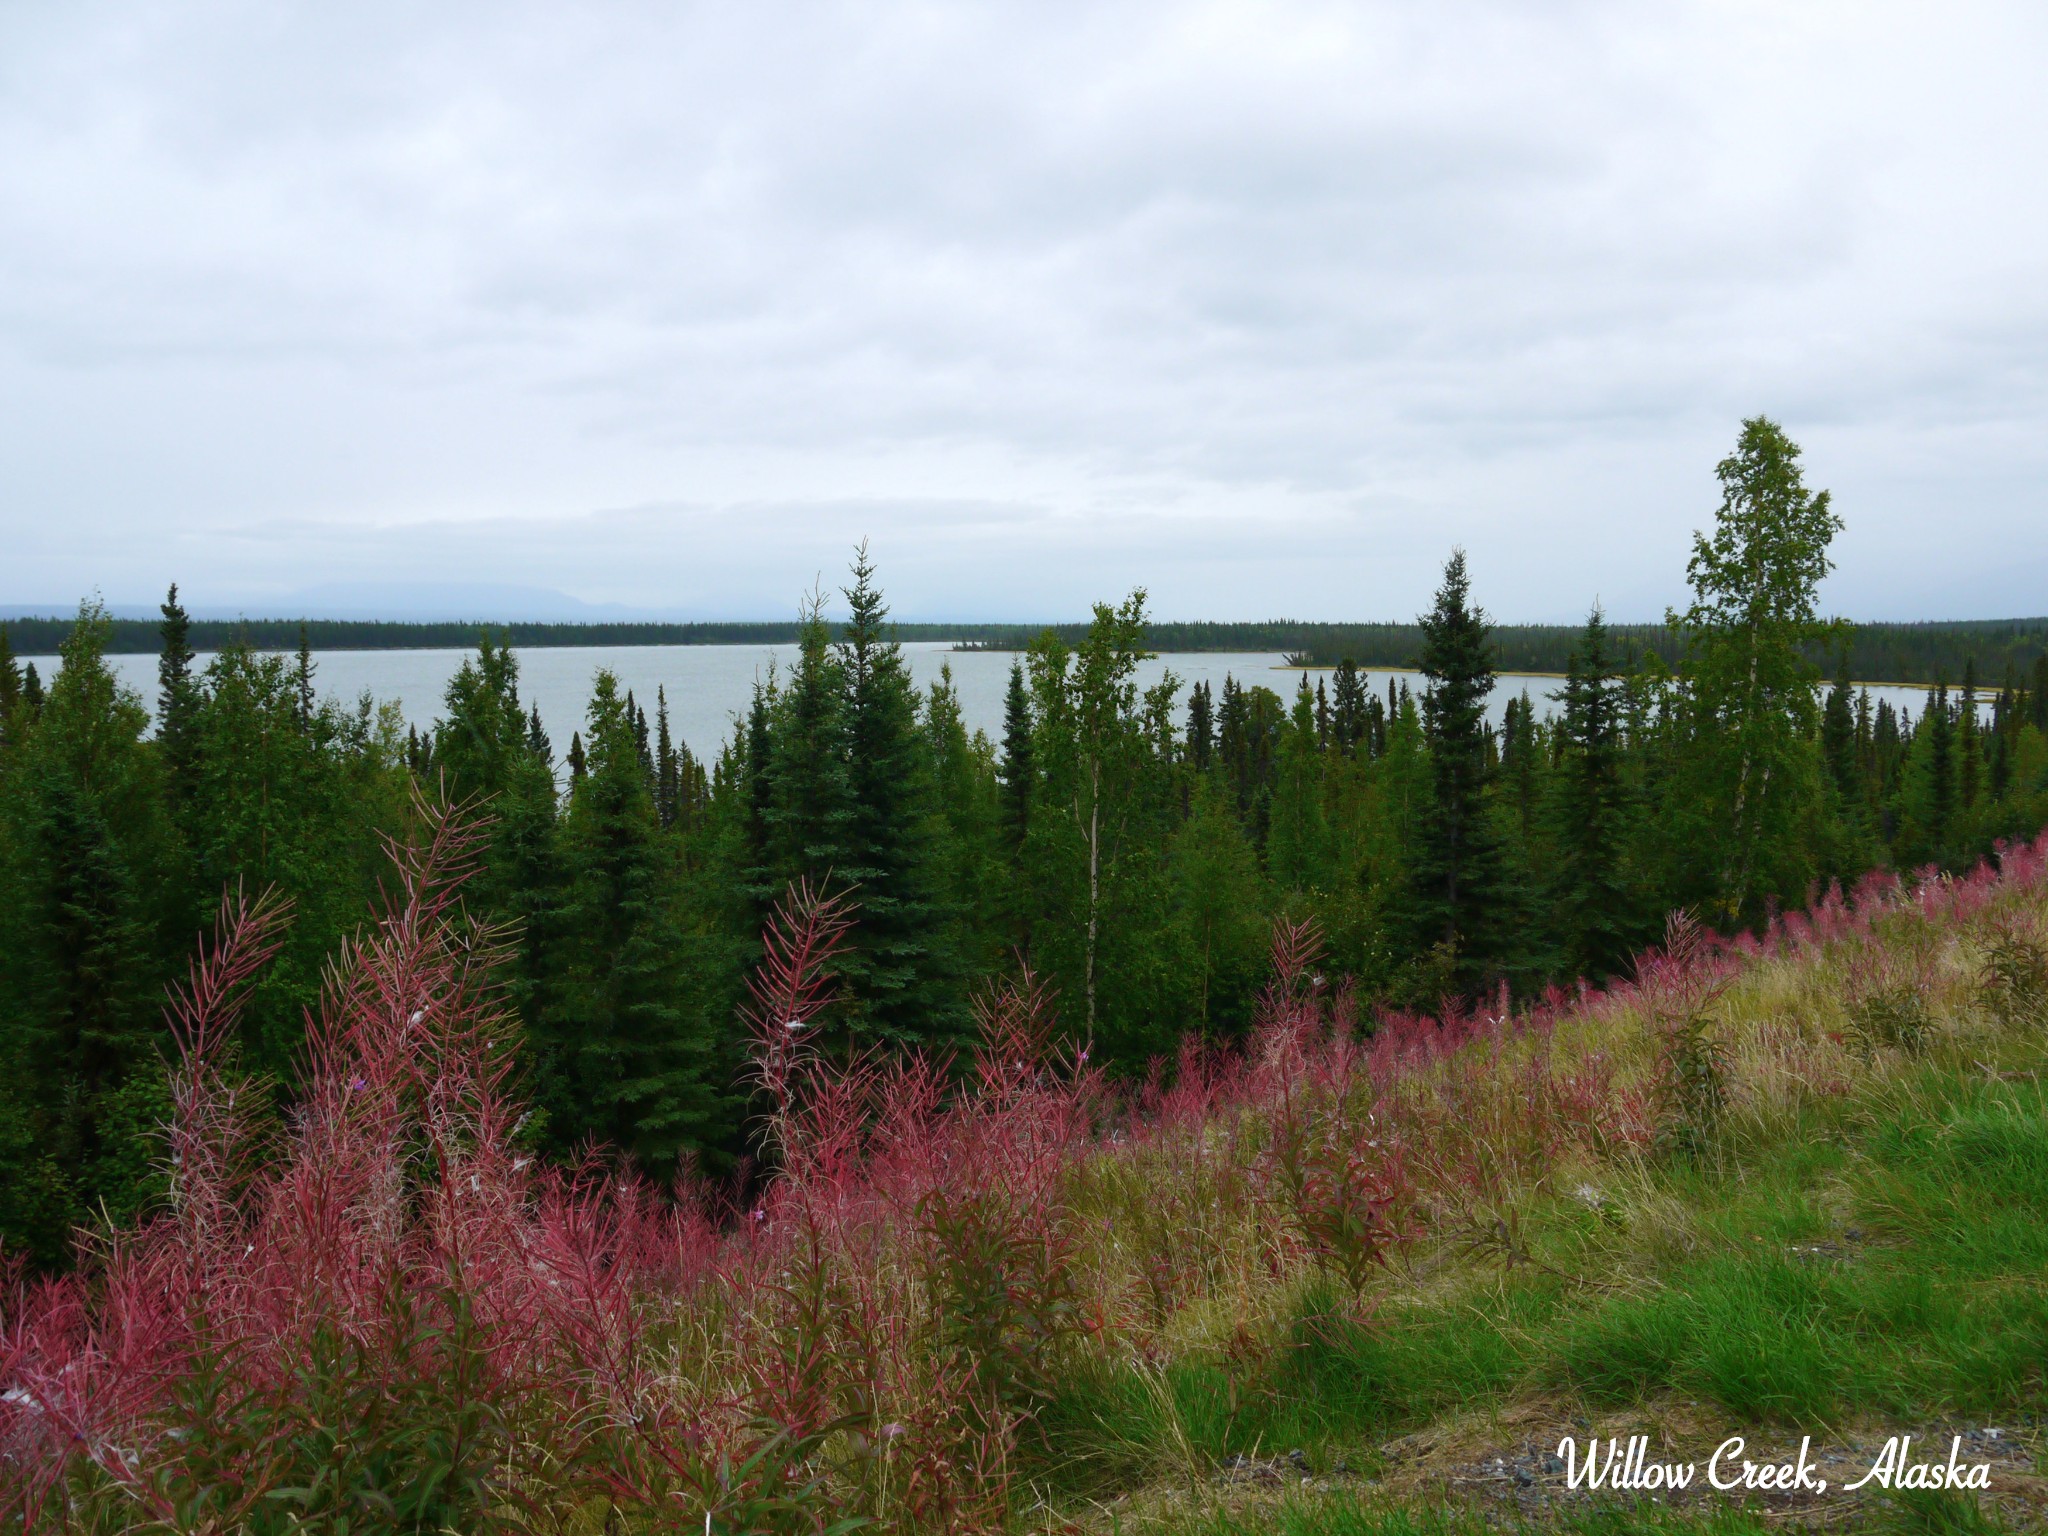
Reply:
x=1130, y=848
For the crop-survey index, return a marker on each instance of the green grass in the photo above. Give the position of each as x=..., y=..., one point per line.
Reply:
x=1331, y=1382
x=1943, y=1312
x=1937, y=1308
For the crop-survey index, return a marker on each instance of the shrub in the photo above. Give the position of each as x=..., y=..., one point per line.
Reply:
x=2013, y=984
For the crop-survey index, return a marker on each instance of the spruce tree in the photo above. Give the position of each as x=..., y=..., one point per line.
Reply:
x=811, y=797
x=10, y=686
x=1458, y=883
x=667, y=767
x=759, y=864
x=1838, y=737
x=1017, y=771
x=1233, y=744
x=1968, y=743
x=304, y=677
x=1519, y=760
x=1938, y=732
x=1589, y=894
x=177, y=700
x=619, y=1058
x=1348, y=708
x=1201, y=727
x=1297, y=836
x=486, y=752
x=902, y=965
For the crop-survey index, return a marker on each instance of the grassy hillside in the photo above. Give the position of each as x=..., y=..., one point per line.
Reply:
x=1361, y=1276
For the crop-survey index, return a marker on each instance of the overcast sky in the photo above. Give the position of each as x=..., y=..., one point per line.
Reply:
x=1262, y=306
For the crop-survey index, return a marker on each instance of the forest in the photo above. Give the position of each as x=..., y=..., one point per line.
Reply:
x=1131, y=850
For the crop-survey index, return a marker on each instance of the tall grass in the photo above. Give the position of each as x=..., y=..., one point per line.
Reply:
x=965, y=1287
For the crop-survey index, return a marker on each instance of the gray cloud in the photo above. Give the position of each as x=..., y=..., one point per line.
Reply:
x=1261, y=306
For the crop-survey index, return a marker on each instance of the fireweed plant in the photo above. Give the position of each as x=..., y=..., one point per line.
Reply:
x=957, y=1292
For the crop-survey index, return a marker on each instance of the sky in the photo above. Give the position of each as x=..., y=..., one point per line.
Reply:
x=516, y=310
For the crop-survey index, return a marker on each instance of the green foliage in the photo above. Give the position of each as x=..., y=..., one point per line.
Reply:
x=401, y=1432
x=1131, y=855
x=1457, y=876
x=1891, y=1018
x=1590, y=814
x=1750, y=681
x=1219, y=908
x=82, y=836
x=2013, y=985
x=902, y=970
x=622, y=1057
x=1004, y=1304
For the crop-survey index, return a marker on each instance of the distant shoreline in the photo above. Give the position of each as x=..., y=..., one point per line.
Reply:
x=1913, y=655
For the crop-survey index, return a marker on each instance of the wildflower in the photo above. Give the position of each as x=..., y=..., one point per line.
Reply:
x=792, y=1024
x=356, y=1085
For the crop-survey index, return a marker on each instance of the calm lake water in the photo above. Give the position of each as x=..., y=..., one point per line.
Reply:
x=709, y=685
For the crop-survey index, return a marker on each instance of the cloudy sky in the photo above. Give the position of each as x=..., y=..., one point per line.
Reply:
x=1263, y=306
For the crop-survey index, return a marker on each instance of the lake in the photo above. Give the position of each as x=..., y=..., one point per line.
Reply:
x=709, y=685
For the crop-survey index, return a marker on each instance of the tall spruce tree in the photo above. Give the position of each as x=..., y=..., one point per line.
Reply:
x=1969, y=741
x=1017, y=772
x=1589, y=893
x=668, y=774
x=902, y=964
x=177, y=700
x=1458, y=882
x=1838, y=736
x=1348, y=721
x=811, y=793
x=1937, y=746
x=1201, y=727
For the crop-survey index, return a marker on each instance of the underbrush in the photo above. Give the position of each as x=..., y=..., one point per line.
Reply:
x=1800, y=1177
